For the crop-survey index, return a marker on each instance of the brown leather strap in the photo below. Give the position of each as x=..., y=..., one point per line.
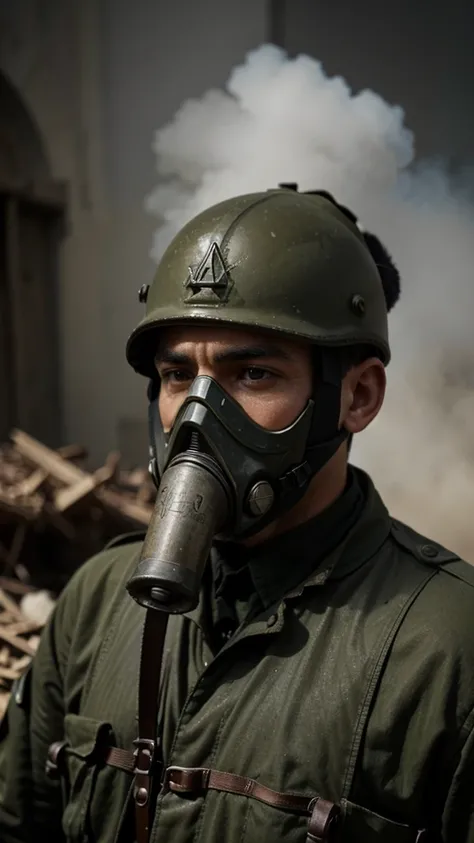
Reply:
x=123, y=759
x=324, y=814
x=323, y=821
x=197, y=779
x=147, y=756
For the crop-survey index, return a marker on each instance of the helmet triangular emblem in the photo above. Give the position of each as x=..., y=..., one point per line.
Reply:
x=209, y=282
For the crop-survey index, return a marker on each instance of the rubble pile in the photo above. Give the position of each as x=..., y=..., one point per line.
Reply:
x=19, y=637
x=54, y=514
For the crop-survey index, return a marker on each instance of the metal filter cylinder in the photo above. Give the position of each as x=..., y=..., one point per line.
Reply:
x=192, y=505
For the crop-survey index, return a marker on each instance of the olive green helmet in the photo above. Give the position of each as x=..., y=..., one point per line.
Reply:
x=279, y=261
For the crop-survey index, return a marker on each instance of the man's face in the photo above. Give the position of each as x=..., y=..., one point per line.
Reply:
x=271, y=377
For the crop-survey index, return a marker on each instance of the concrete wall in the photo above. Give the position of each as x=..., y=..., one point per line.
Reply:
x=98, y=77
x=41, y=54
x=154, y=56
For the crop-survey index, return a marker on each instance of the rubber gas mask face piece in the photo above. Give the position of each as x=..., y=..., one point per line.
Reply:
x=219, y=474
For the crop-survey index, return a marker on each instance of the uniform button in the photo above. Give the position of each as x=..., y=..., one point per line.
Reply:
x=429, y=550
x=272, y=620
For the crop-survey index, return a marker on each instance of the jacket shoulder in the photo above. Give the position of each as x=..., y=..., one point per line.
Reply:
x=435, y=640
x=447, y=601
x=126, y=538
x=111, y=564
x=445, y=605
x=86, y=605
x=95, y=586
x=432, y=553
x=423, y=549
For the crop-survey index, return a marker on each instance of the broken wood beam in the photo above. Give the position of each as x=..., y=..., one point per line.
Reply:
x=28, y=507
x=131, y=510
x=15, y=586
x=16, y=642
x=10, y=606
x=73, y=452
x=25, y=627
x=31, y=484
x=66, y=498
x=70, y=495
x=47, y=459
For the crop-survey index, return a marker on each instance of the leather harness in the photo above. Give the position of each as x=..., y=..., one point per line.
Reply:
x=146, y=763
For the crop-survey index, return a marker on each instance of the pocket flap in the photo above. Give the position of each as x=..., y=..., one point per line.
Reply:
x=86, y=737
x=361, y=824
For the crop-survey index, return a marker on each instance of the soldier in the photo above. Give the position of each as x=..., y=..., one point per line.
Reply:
x=315, y=656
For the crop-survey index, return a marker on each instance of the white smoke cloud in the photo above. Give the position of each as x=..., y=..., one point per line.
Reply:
x=285, y=120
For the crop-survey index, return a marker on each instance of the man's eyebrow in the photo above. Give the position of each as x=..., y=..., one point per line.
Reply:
x=172, y=358
x=241, y=353
x=235, y=354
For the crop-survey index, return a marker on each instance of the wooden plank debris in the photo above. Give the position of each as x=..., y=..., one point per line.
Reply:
x=42, y=490
x=42, y=457
x=54, y=514
x=19, y=640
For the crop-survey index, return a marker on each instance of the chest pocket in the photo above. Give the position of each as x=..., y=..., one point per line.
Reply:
x=89, y=783
x=359, y=824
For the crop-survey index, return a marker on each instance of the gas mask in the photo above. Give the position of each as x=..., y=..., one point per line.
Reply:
x=221, y=475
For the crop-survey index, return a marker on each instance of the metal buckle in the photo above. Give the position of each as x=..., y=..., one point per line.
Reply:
x=145, y=754
x=55, y=760
x=297, y=476
x=189, y=779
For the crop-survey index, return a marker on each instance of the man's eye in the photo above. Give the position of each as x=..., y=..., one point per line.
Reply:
x=253, y=373
x=175, y=376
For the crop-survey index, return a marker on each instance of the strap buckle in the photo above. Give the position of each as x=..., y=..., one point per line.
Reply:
x=54, y=766
x=186, y=780
x=145, y=756
x=324, y=820
x=297, y=477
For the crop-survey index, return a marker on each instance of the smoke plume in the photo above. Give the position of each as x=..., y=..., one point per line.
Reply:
x=285, y=120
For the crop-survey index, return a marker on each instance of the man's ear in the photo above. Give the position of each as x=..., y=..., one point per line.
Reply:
x=363, y=392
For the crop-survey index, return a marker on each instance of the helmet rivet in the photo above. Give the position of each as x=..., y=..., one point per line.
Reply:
x=358, y=305
x=143, y=293
x=260, y=499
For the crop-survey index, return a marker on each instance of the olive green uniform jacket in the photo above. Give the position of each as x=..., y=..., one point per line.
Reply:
x=358, y=686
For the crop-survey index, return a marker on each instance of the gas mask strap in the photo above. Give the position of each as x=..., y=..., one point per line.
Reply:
x=155, y=430
x=326, y=395
x=153, y=389
x=316, y=456
x=325, y=436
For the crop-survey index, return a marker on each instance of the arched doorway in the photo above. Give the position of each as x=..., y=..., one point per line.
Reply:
x=31, y=222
